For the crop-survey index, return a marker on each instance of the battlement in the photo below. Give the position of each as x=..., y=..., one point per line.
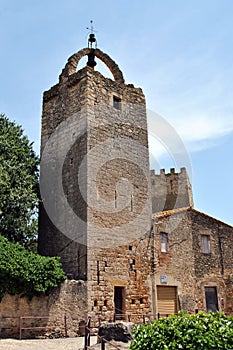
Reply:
x=172, y=171
x=170, y=190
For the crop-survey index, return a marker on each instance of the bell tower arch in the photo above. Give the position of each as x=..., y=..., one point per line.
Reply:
x=95, y=176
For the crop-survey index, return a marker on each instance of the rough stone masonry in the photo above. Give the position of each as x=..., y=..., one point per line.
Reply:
x=130, y=241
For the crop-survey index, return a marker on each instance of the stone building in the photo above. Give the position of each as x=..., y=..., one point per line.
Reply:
x=132, y=236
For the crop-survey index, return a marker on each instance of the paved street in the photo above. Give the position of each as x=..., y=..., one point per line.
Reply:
x=44, y=344
x=52, y=344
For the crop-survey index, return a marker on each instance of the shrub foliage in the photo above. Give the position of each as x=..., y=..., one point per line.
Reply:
x=24, y=272
x=184, y=331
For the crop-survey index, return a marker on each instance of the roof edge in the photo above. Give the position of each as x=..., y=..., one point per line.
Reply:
x=181, y=210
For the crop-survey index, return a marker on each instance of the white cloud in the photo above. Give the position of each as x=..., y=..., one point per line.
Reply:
x=203, y=127
x=190, y=133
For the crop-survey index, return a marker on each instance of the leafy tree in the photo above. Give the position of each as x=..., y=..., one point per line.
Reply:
x=26, y=273
x=184, y=331
x=19, y=190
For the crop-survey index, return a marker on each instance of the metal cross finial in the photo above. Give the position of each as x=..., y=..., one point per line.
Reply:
x=91, y=38
x=92, y=28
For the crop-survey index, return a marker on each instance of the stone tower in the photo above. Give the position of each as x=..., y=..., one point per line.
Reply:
x=170, y=191
x=95, y=180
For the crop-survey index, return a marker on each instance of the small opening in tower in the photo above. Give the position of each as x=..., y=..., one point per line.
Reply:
x=98, y=272
x=116, y=102
x=131, y=203
x=115, y=199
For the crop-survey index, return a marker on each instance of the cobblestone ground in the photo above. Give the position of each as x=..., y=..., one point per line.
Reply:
x=52, y=344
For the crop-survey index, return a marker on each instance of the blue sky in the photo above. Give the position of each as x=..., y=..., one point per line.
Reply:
x=180, y=53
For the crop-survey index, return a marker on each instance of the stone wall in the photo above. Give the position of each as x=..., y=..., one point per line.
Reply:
x=186, y=266
x=95, y=152
x=108, y=158
x=127, y=266
x=69, y=300
x=170, y=190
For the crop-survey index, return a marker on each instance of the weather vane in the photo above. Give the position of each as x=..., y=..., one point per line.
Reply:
x=91, y=39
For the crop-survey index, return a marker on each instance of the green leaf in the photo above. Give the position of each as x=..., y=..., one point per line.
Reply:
x=19, y=189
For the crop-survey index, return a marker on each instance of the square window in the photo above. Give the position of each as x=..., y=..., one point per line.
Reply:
x=164, y=242
x=116, y=102
x=205, y=244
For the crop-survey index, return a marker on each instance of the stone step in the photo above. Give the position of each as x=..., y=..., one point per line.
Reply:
x=120, y=345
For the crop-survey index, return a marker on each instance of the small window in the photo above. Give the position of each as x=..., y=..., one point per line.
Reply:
x=164, y=242
x=205, y=244
x=116, y=102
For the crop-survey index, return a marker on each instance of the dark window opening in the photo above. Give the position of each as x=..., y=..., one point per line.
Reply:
x=105, y=302
x=211, y=299
x=95, y=302
x=115, y=199
x=130, y=247
x=116, y=102
x=131, y=203
x=164, y=242
x=132, y=301
x=98, y=272
x=141, y=301
x=119, y=302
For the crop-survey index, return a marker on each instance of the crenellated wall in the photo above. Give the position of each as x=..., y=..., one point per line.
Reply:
x=170, y=190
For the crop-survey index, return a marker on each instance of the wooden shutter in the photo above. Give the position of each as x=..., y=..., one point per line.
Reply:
x=166, y=300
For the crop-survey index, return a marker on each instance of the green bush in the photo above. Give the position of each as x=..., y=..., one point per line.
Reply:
x=26, y=273
x=184, y=331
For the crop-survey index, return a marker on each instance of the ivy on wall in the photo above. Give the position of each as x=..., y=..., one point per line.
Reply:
x=26, y=273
